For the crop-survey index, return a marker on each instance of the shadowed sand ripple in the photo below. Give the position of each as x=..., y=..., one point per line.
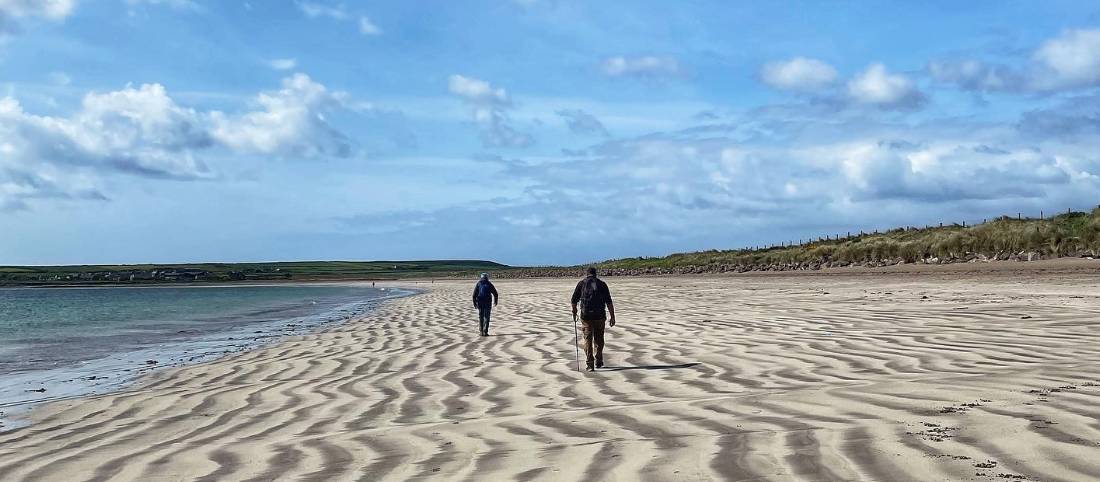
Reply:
x=922, y=377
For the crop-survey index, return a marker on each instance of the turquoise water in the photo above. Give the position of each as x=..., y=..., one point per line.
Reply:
x=50, y=328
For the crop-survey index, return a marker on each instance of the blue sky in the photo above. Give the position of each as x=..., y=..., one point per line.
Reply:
x=528, y=131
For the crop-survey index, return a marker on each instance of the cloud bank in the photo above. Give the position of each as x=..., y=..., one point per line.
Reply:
x=1067, y=62
x=143, y=132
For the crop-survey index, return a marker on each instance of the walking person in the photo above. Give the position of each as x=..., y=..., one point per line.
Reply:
x=485, y=297
x=593, y=295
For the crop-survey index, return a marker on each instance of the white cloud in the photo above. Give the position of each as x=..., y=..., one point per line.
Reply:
x=283, y=64
x=488, y=108
x=877, y=86
x=143, y=132
x=290, y=121
x=1067, y=62
x=337, y=12
x=317, y=10
x=51, y=9
x=139, y=131
x=366, y=27
x=475, y=90
x=646, y=66
x=13, y=10
x=1070, y=60
x=799, y=74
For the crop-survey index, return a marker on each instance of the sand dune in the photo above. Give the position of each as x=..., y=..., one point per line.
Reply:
x=916, y=377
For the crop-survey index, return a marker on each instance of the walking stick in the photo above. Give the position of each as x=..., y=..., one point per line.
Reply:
x=576, y=342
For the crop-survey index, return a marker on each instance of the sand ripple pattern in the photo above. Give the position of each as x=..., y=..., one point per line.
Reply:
x=741, y=378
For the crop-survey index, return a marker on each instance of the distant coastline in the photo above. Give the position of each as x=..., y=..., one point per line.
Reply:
x=233, y=273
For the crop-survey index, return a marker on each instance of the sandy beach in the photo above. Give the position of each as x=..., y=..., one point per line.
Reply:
x=890, y=377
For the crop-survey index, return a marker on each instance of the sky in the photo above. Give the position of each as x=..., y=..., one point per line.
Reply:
x=529, y=132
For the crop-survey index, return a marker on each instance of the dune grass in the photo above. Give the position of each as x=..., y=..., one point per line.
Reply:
x=1067, y=234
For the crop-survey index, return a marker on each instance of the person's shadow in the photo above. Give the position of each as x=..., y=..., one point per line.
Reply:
x=522, y=333
x=649, y=367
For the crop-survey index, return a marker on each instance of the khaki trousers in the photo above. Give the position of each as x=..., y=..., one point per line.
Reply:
x=592, y=331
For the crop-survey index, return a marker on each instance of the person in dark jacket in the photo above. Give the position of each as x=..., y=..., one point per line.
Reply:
x=593, y=296
x=485, y=297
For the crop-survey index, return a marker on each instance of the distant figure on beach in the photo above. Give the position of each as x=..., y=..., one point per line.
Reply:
x=485, y=297
x=593, y=295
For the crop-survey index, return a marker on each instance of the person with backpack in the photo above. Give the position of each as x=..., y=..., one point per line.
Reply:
x=593, y=296
x=485, y=297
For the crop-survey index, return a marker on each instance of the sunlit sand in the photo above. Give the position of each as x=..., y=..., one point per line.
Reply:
x=872, y=377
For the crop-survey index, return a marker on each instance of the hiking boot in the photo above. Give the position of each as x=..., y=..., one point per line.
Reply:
x=599, y=364
x=589, y=368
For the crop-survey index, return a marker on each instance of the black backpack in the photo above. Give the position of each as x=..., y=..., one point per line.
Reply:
x=592, y=302
x=484, y=291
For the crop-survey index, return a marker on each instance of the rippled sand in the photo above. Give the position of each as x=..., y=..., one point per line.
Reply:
x=901, y=377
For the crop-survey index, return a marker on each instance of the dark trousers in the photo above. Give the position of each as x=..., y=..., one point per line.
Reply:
x=592, y=331
x=483, y=312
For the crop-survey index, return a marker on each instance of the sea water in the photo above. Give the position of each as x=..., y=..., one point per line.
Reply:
x=65, y=342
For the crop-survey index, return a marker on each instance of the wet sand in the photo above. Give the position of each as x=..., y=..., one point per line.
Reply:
x=935, y=376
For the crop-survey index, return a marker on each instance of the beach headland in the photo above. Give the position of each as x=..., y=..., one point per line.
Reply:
x=882, y=376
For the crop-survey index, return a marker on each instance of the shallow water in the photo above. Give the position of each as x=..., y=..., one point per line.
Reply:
x=62, y=342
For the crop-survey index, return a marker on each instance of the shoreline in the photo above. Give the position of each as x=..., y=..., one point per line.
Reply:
x=126, y=369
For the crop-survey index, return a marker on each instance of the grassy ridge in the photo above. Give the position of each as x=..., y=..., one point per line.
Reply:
x=1068, y=234
x=223, y=272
